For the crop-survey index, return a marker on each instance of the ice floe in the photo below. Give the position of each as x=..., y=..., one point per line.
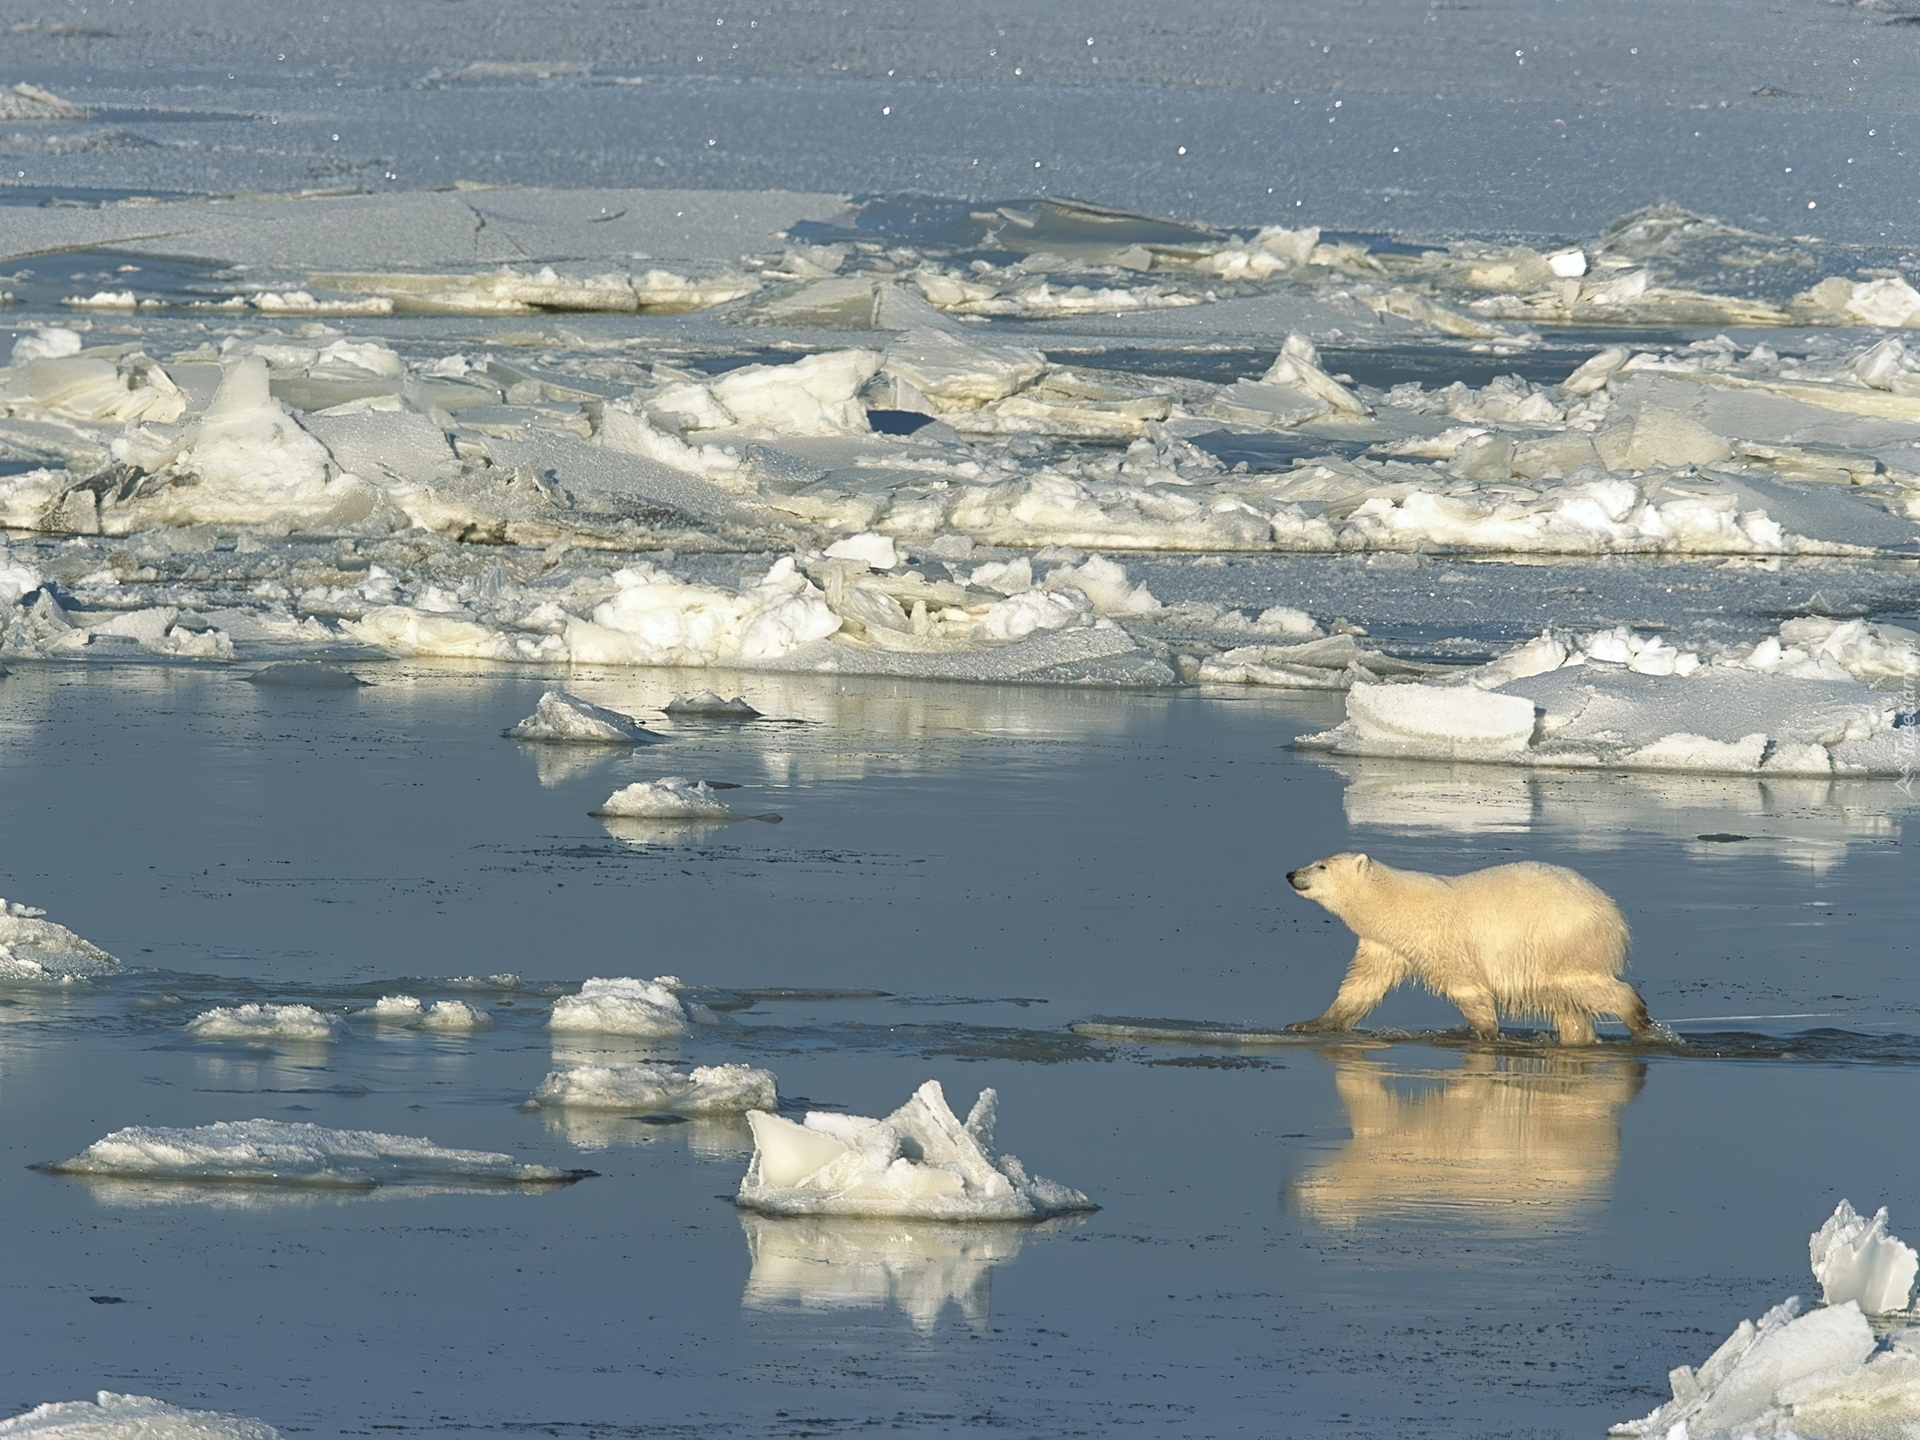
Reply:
x=1816, y=1374
x=277, y=1152
x=672, y=797
x=705, y=1090
x=919, y=1163
x=35, y=949
x=109, y=1416
x=708, y=706
x=255, y=1021
x=566, y=719
x=454, y=1017
x=622, y=1006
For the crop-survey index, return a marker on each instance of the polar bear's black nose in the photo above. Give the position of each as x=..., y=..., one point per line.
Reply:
x=1293, y=879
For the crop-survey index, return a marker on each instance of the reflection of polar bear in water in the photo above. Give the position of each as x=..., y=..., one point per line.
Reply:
x=1528, y=939
x=1523, y=1138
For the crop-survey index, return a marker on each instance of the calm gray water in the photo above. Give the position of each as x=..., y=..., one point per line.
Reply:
x=1398, y=1232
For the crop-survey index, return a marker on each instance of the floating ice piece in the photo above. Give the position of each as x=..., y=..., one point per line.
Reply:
x=396, y=1009
x=566, y=719
x=35, y=949
x=707, y=1090
x=709, y=706
x=1856, y=1259
x=455, y=1017
x=672, y=797
x=130, y=1417
x=254, y=1021
x=30, y=102
x=1456, y=721
x=50, y=342
x=920, y=1163
x=275, y=1152
x=622, y=1006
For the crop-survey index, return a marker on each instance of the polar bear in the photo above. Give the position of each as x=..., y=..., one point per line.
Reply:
x=1529, y=939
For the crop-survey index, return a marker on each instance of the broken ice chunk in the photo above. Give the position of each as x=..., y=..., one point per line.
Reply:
x=33, y=948
x=264, y=1022
x=130, y=1417
x=673, y=797
x=876, y=552
x=920, y=1163
x=709, y=706
x=566, y=719
x=621, y=1006
x=276, y=1152
x=1856, y=1259
x=707, y=1090
x=455, y=1017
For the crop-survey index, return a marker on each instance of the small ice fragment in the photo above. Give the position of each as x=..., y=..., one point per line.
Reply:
x=305, y=675
x=275, y=1152
x=55, y=342
x=708, y=1090
x=130, y=1417
x=1856, y=1259
x=396, y=1009
x=876, y=552
x=1568, y=264
x=33, y=948
x=264, y=1022
x=561, y=718
x=455, y=1017
x=920, y=1163
x=673, y=797
x=621, y=1006
x=709, y=706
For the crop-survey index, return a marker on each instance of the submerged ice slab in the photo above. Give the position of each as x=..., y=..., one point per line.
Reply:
x=130, y=1417
x=275, y=1152
x=254, y=1021
x=706, y=1090
x=919, y=1163
x=566, y=719
x=1856, y=1259
x=622, y=1006
x=33, y=948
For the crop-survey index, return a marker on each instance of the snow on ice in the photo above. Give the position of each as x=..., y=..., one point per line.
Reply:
x=33, y=948
x=706, y=1090
x=130, y=1417
x=566, y=719
x=919, y=1163
x=622, y=1006
x=255, y=1021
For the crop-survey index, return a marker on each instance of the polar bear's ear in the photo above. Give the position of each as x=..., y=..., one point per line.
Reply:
x=1362, y=862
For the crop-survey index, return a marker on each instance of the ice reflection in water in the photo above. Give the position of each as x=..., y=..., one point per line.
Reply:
x=715, y=1137
x=1511, y=1141
x=1806, y=822
x=643, y=834
x=557, y=764
x=916, y=1267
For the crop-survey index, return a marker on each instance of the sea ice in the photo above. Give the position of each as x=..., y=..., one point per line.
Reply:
x=622, y=1006
x=276, y=1152
x=561, y=718
x=130, y=1417
x=1812, y=1375
x=673, y=797
x=455, y=1017
x=709, y=706
x=254, y=1021
x=919, y=1163
x=396, y=1009
x=33, y=948
x=1856, y=1259
x=707, y=1090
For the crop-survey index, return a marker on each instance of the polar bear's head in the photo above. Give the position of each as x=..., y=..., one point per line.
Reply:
x=1327, y=882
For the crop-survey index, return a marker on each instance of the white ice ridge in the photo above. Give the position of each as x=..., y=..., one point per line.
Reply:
x=1856, y=1259
x=561, y=718
x=672, y=797
x=1811, y=701
x=622, y=1006
x=454, y=1017
x=254, y=1021
x=920, y=1163
x=275, y=1152
x=707, y=1090
x=130, y=1417
x=33, y=948
x=1818, y=1373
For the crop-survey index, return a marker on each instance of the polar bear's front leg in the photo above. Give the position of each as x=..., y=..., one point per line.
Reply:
x=1374, y=971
